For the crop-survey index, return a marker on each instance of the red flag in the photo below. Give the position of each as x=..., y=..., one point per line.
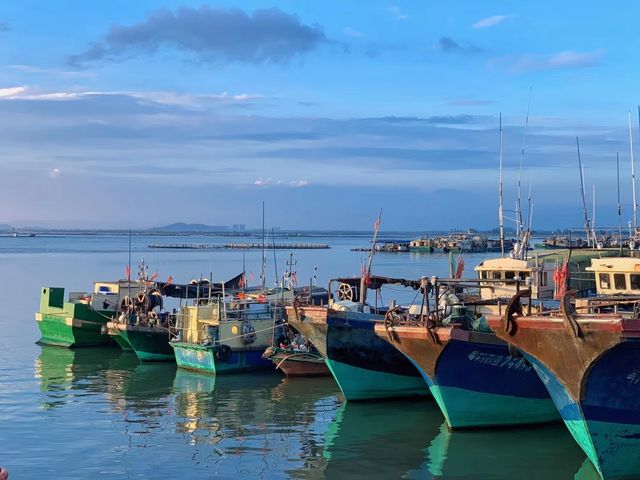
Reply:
x=460, y=267
x=153, y=277
x=252, y=276
x=127, y=271
x=295, y=278
x=560, y=278
x=169, y=280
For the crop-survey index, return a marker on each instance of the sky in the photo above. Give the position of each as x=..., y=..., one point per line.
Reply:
x=127, y=114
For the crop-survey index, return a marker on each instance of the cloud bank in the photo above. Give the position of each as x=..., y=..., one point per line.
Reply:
x=209, y=35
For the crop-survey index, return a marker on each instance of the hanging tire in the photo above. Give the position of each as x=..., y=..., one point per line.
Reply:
x=223, y=353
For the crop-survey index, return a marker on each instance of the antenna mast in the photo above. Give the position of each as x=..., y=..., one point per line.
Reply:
x=587, y=229
x=633, y=179
x=524, y=144
x=619, y=208
x=500, y=206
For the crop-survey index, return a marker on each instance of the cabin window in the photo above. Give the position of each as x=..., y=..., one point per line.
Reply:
x=620, y=281
x=635, y=281
x=484, y=274
x=496, y=275
x=509, y=275
x=605, y=281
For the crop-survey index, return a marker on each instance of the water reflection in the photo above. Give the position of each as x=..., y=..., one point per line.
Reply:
x=379, y=440
x=504, y=454
x=265, y=425
x=65, y=374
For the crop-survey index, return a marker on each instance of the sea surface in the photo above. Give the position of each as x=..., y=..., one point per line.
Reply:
x=98, y=413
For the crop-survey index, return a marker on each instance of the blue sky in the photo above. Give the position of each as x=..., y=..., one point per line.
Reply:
x=118, y=114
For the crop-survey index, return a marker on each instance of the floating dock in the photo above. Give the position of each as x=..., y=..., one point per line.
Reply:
x=240, y=246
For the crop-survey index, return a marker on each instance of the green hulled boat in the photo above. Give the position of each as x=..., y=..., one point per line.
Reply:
x=80, y=321
x=149, y=343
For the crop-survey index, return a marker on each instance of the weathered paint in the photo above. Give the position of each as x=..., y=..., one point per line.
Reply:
x=473, y=377
x=593, y=378
x=364, y=366
x=69, y=332
x=202, y=358
x=150, y=344
x=69, y=324
x=366, y=384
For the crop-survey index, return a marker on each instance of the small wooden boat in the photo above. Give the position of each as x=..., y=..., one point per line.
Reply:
x=296, y=363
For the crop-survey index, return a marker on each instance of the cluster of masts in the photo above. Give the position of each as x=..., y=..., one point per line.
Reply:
x=523, y=228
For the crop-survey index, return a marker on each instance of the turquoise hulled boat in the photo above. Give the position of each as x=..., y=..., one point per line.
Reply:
x=228, y=333
x=364, y=365
x=587, y=354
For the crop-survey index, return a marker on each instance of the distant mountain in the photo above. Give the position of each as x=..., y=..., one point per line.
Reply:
x=190, y=227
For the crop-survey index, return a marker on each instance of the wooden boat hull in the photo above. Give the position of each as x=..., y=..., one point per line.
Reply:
x=473, y=377
x=594, y=381
x=150, y=344
x=300, y=365
x=202, y=358
x=364, y=366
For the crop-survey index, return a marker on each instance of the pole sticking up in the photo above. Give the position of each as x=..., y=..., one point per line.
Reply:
x=619, y=208
x=587, y=228
x=519, y=224
x=262, y=272
x=633, y=180
x=500, y=207
x=364, y=281
x=129, y=264
x=593, y=217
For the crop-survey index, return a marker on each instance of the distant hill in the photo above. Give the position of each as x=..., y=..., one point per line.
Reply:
x=190, y=227
x=4, y=227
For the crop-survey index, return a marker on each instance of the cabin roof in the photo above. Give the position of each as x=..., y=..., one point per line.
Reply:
x=625, y=264
x=504, y=264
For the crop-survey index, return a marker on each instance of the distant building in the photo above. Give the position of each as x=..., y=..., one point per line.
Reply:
x=239, y=227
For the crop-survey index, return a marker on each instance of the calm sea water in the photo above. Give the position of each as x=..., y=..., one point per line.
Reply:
x=97, y=413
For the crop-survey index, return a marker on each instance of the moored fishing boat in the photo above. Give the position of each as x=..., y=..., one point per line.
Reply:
x=588, y=356
x=79, y=321
x=144, y=327
x=364, y=365
x=474, y=378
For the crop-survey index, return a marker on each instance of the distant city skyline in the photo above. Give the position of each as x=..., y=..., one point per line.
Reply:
x=137, y=114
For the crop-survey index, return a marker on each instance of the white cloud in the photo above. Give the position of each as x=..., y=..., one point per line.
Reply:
x=556, y=61
x=299, y=183
x=262, y=182
x=10, y=92
x=397, y=13
x=54, y=173
x=490, y=21
x=165, y=98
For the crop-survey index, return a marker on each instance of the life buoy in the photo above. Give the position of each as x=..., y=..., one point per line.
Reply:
x=223, y=353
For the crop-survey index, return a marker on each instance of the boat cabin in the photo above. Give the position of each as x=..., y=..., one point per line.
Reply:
x=616, y=276
x=533, y=273
x=105, y=295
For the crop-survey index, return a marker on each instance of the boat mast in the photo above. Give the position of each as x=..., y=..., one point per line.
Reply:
x=619, y=209
x=262, y=273
x=500, y=207
x=593, y=217
x=519, y=223
x=584, y=203
x=633, y=179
